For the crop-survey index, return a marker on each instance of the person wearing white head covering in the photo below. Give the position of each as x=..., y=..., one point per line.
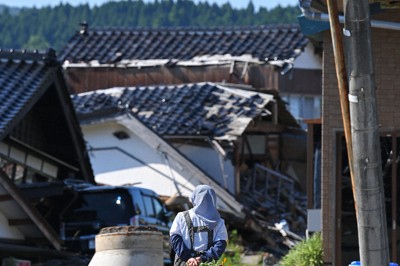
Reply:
x=199, y=234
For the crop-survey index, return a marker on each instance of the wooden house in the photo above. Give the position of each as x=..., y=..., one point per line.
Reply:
x=40, y=143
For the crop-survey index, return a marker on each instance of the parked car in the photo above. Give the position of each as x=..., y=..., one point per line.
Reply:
x=96, y=207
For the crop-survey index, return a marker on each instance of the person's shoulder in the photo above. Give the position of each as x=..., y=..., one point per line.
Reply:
x=180, y=213
x=179, y=218
x=221, y=222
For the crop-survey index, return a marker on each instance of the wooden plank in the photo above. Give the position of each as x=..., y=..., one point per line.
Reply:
x=17, y=222
x=310, y=167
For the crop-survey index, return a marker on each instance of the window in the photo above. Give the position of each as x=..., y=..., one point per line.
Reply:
x=158, y=207
x=148, y=205
x=303, y=106
x=110, y=207
x=21, y=174
x=153, y=206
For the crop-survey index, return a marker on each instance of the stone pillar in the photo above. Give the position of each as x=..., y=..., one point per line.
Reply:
x=128, y=246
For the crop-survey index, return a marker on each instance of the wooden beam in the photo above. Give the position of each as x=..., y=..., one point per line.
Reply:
x=17, y=222
x=265, y=127
x=5, y=197
x=73, y=127
x=30, y=211
x=310, y=167
x=341, y=75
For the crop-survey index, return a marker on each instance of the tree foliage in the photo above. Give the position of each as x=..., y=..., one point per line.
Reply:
x=41, y=28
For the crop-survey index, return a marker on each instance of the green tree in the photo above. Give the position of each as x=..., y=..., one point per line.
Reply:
x=53, y=26
x=36, y=42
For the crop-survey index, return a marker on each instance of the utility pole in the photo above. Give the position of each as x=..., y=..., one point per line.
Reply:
x=341, y=75
x=367, y=167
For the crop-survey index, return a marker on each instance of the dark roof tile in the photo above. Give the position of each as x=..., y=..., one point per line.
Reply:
x=189, y=109
x=21, y=77
x=278, y=42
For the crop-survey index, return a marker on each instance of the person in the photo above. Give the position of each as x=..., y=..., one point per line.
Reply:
x=199, y=234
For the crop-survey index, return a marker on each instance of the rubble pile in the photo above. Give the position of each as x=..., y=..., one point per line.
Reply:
x=277, y=210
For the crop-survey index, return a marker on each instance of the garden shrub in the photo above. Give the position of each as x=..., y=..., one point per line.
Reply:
x=309, y=252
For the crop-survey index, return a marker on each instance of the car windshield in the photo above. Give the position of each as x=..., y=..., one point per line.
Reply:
x=110, y=207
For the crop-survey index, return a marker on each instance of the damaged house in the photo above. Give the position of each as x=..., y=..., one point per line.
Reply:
x=41, y=145
x=258, y=160
x=172, y=138
x=205, y=122
x=269, y=57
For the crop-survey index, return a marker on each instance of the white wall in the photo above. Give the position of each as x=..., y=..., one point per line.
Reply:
x=113, y=167
x=8, y=232
x=207, y=159
x=308, y=59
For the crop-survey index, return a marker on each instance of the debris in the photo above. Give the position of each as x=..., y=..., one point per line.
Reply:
x=276, y=209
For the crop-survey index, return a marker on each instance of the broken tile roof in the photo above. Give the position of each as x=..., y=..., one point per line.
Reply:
x=22, y=78
x=111, y=45
x=200, y=109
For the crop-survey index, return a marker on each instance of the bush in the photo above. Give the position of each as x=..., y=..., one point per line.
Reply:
x=306, y=253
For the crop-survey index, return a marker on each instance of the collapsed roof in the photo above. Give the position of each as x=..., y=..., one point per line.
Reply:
x=199, y=109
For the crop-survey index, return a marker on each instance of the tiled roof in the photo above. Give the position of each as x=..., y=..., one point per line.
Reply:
x=204, y=109
x=36, y=109
x=111, y=45
x=22, y=75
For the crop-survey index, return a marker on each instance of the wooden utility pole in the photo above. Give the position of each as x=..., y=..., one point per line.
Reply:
x=367, y=167
x=341, y=75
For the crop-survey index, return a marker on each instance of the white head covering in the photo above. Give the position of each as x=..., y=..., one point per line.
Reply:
x=205, y=205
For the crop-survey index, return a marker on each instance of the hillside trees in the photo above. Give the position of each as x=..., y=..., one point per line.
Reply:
x=41, y=28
